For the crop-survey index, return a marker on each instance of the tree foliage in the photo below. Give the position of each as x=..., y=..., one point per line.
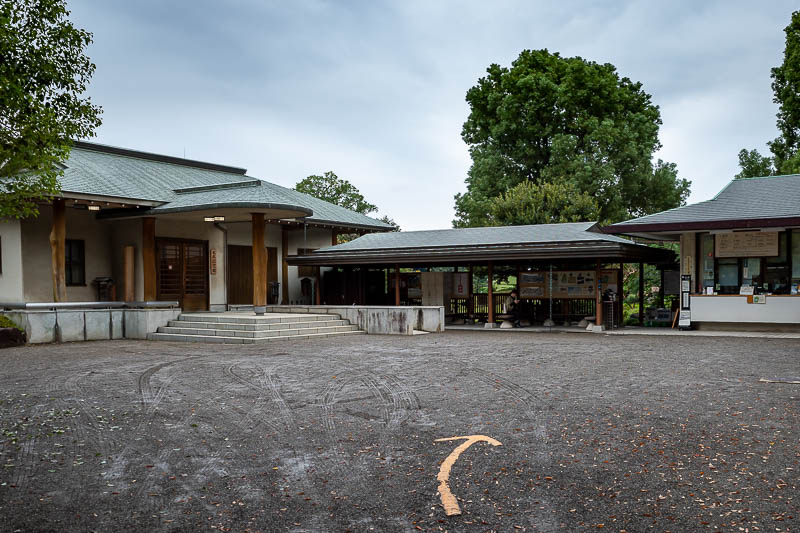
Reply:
x=542, y=203
x=785, y=148
x=753, y=164
x=786, y=90
x=43, y=73
x=331, y=188
x=550, y=119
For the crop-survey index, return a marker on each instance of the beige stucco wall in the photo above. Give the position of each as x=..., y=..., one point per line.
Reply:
x=80, y=224
x=127, y=232
x=11, y=277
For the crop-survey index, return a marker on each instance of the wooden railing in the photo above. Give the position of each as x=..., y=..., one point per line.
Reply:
x=536, y=310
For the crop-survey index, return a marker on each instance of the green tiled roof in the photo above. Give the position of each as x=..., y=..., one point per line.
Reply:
x=750, y=199
x=182, y=185
x=486, y=236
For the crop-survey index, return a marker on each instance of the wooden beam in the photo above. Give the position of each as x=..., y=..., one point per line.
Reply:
x=259, y=264
x=128, y=274
x=491, y=295
x=284, y=265
x=149, y=257
x=58, y=237
x=397, y=285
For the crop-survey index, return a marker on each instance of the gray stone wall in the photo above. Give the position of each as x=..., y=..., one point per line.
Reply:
x=72, y=325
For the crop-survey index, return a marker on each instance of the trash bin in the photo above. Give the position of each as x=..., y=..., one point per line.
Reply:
x=106, y=289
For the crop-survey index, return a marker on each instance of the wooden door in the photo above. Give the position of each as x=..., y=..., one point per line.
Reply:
x=183, y=272
x=240, y=275
x=272, y=271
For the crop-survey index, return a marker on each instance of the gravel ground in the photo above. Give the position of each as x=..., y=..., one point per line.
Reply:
x=619, y=433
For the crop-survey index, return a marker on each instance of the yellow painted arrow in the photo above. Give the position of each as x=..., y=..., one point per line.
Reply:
x=448, y=500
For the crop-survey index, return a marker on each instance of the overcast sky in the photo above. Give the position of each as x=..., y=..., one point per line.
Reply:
x=374, y=91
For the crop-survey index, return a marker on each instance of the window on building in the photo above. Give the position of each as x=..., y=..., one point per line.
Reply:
x=75, y=260
x=776, y=269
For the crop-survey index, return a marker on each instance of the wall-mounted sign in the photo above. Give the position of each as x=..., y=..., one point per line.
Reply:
x=566, y=284
x=757, y=299
x=212, y=265
x=747, y=244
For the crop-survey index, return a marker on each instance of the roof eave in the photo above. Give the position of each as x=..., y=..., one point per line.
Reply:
x=750, y=223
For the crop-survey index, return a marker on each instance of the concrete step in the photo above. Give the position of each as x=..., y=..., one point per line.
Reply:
x=246, y=318
x=308, y=328
x=246, y=340
x=256, y=327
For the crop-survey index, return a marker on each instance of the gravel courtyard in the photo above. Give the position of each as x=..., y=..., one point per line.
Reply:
x=618, y=433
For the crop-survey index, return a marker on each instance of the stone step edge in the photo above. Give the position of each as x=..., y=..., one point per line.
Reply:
x=191, y=317
x=245, y=340
x=253, y=334
x=256, y=327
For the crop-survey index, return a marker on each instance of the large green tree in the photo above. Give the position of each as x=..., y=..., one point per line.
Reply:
x=43, y=73
x=542, y=203
x=786, y=90
x=785, y=158
x=333, y=189
x=551, y=119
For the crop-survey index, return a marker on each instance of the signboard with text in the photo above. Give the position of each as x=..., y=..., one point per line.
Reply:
x=747, y=244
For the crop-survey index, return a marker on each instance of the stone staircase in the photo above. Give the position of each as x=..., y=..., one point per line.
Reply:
x=247, y=328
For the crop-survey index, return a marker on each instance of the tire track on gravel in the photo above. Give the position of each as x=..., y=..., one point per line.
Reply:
x=528, y=400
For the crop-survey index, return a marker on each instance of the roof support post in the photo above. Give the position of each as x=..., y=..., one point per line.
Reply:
x=317, y=295
x=397, y=285
x=334, y=238
x=470, y=297
x=641, y=294
x=621, y=294
x=149, y=258
x=284, y=265
x=598, y=312
x=259, y=264
x=58, y=236
x=491, y=296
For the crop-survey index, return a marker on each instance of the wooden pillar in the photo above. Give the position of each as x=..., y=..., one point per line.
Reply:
x=397, y=284
x=490, y=320
x=641, y=294
x=128, y=274
x=621, y=294
x=317, y=295
x=149, y=258
x=334, y=238
x=259, y=264
x=598, y=313
x=58, y=237
x=470, y=297
x=661, y=289
x=284, y=265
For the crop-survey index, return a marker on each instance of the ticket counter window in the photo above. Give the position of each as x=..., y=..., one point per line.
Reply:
x=751, y=272
x=776, y=271
x=728, y=270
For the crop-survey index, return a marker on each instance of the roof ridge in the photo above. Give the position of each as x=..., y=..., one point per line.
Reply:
x=159, y=158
